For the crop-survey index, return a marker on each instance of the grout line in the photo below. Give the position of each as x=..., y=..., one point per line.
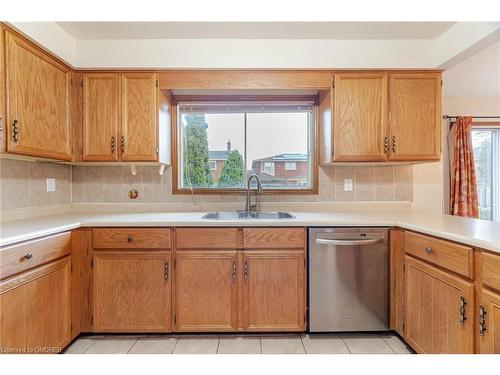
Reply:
x=390, y=347
x=128, y=351
x=303, y=345
x=91, y=345
x=260, y=343
x=347, y=346
x=175, y=345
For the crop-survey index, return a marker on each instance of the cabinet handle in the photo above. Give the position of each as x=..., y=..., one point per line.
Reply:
x=28, y=256
x=245, y=271
x=428, y=250
x=386, y=145
x=113, y=145
x=122, y=144
x=461, y=309
x=482, y=320
x=233, y=274
x=15, y=131
x=394, y=144
x=165, y=275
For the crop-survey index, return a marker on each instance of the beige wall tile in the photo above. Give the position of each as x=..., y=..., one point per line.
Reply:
x=151, y=193
x=112, y=193
x=37, y=193
x=364, y=183
x=77, y=193
x=14, y=194
x=62, y=195
x=92, y=175
x=13, y=169
x=92, y=193
x=403, y=180
x=113, y=175
x=78, y=174
x=384, y=183
x=131, y=179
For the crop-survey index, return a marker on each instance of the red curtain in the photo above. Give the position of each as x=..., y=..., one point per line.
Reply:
x=463, y=199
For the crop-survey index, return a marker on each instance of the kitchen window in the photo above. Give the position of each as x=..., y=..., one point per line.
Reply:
x=486, y=145
x=269, y=136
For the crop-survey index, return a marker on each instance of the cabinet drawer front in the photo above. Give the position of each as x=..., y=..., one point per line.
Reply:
x=207, y=238
x=490, y=269
x=454, y=257
x=19, y=258
x=273, y=238
x=131, y=238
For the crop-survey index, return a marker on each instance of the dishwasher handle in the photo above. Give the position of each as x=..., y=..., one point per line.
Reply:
x=324, y=241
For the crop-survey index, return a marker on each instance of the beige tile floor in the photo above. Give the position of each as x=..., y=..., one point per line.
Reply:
x=348, y=343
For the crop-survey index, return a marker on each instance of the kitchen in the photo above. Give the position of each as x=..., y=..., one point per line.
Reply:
x=154, y=203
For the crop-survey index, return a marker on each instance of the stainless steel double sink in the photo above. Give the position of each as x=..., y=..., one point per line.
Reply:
x=246, y=215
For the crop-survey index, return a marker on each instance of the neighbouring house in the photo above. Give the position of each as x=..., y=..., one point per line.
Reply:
x=283, y=169
x=216, y=160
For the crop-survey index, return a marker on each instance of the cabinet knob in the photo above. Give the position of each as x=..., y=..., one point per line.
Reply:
x=428, y=250
x=130, y=239
x=28, y=256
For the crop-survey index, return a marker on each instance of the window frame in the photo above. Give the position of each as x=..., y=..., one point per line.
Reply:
x=314, y=144
x=289, y=163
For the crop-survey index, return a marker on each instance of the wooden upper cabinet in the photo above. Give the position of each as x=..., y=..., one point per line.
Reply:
x=38, y=117
x=434, y=299
x=360, y=117
x=139, y=130
x=489, y=323
x=274, y=290
x=206, y=291
x=101, y=116
x=415, y=116
x=132, y=291
x=2, y=90
x=36, y=310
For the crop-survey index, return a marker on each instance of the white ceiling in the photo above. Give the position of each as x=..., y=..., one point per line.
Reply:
x=478, y=76
x=256, y=30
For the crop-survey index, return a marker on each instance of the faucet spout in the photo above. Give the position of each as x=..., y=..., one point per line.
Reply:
x=249, y=206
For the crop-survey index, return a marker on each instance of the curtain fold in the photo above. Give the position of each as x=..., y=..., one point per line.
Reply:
x=463, y=192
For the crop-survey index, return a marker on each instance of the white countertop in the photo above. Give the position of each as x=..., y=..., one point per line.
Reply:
x=478, y=233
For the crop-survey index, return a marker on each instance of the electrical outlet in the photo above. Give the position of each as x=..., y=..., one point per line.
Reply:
x=51, y=184
x=347, y=184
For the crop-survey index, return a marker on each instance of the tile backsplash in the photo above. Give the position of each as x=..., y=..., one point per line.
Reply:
x=23, y=185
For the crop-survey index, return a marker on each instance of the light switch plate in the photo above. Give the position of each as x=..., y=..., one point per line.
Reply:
x=51, y=184
x=347, y=184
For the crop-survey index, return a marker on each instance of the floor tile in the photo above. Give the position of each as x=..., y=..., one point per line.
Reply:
x=282, y=345
x=154, y=346
x=359, y=343
x=239, y=345
x=111, y=346
x=196, y=345
x=324, y=344
x=80, y=346
x=396, y=344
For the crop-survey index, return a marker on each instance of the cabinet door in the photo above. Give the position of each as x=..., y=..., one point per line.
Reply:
x=37, y=101
x=360, y=117
x=100, y=116
x=206, y=291
x=132, y=291
x=489, y=342
x=274, y=290
x=433, y=321
x=139, y=130
x=2, y=90
x=35, y=316
x=415, y=116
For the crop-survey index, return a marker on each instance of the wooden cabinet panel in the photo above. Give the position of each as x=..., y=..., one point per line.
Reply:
x=131, y=238
x=490, y=270
x=100, y=116
x=274, y=290
x=397, y=280
x=433, y=299
x=273, y=238
x=449, y=255
x=18, y=258
x=132, y=291
x=489, y=340
x=360, y=117
x=2, y=91
x=206, y=238
x=38, y=119
x=139, y=130
x=415, y=116
x=36, y=310
x=206, y=291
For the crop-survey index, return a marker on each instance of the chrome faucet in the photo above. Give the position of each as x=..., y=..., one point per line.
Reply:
x=249, y=206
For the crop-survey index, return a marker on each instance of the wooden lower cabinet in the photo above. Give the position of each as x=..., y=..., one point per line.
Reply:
x=489, y=323
x=433, y=322
x=206, y=290
x=35, y=309
x=132, y=291
x=274, y=290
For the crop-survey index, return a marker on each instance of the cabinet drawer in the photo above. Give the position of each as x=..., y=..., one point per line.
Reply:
x=490, y=270
x=449, y=255
x=207, y=238
x=273, y=238
x=18, y=258
x=131, y=238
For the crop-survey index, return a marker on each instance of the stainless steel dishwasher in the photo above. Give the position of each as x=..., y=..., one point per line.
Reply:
x=348, y=279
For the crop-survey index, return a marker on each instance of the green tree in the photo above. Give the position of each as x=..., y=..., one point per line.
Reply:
x=196, y=168
x=232, y=173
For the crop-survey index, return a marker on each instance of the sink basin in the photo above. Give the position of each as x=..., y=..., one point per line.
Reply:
x=247, y=215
